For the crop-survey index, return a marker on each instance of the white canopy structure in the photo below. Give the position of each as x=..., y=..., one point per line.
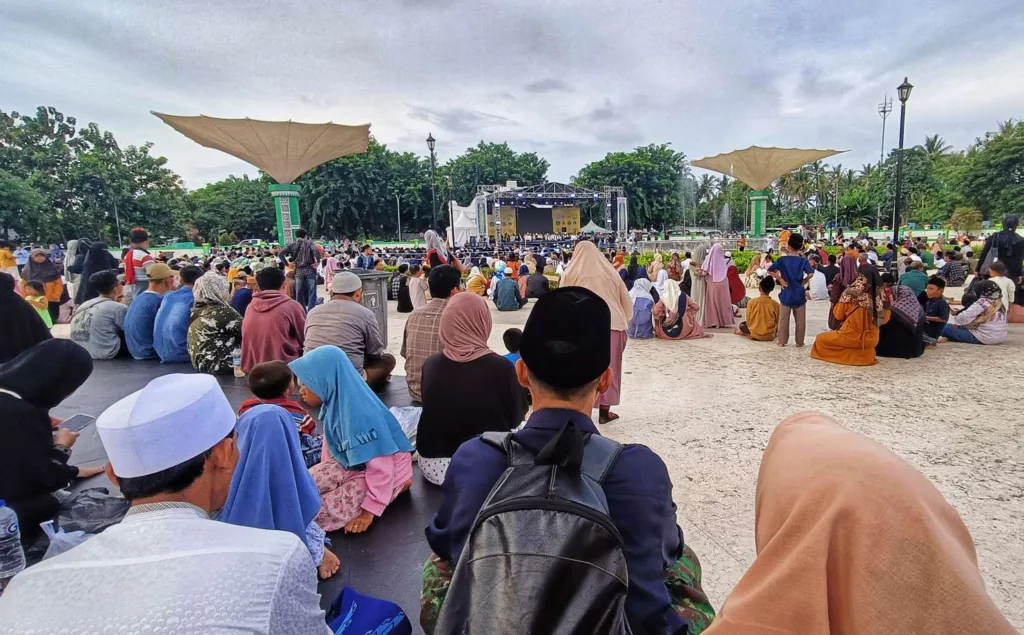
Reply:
x=593, y=228
x=465, y=222
x=282, y=149
x=758, y=167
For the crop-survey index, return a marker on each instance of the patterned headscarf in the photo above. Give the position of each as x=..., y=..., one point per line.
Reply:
x=866, y=292
x=990, y=296
x=906, y=307
x=210, y=288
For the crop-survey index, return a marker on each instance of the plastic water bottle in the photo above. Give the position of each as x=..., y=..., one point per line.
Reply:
x=236, y=362
x=12, y=556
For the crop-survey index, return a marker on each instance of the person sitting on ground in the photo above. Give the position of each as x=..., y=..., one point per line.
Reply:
x=762, y=321
x=792, y=272
x=751, y=278
x=214, y=328
x=565, y=365
x=170, y=328
x=417, y=287
x=35, y=294
x=367, y=459
x=397, y=281
x=344, y=322
x=983, y=322
x=817, y=288
x=915, y=279
x=825, y=496
x=136, y=260
x=537, y=284
x=862, y=309
x=512, y=338
x=41, y=268
x=632, y=272
x=241, y=293
x=506, y=293
x=467, y=388
x=675, y=267
x=404, y=297
x=936, y=309
x=274, y=325
x=524, y=276
x=476, y=283
x=34, y=456
x=273, y=383
x=954, y=271
x=675, y=315
x=171, y=451
x=903, y=335
x=1008, y=288
x=272, y=488
x=641, y=323
x=140, y=319
x=98, y=325
x=421, y=337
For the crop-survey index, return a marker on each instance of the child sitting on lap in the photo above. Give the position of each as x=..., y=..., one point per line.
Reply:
x=273, y=383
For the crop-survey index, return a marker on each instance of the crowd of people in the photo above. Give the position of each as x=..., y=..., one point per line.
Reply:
x=230, y=511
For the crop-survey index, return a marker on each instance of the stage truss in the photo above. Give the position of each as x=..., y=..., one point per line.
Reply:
x=555, y=194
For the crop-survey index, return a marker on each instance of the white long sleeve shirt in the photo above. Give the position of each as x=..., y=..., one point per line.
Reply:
x=170, y=570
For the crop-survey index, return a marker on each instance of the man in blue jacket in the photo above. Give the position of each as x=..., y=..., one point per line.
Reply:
x=170, y=329
x=565, y=361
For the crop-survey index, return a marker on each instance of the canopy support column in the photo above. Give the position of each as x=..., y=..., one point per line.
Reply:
x=758, y=211
x=286, y=204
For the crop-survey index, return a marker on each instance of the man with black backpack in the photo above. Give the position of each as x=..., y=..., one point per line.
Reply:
x=555, y=529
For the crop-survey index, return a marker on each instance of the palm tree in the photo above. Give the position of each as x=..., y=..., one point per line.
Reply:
x=935, y=146
x=706, y=188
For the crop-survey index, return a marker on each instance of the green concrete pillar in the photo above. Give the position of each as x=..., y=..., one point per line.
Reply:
x=758, y=211
x=286, y=204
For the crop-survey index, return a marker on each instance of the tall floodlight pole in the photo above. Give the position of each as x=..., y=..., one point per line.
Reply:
x=904, y=94
x=451, y=210
x=433, y=187
x=884, y=109
x=398, y=215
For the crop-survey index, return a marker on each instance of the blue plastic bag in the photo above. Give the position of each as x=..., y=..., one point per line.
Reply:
x=352, y=613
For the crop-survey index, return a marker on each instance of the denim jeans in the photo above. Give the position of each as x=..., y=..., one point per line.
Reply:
x=305, y=291
x=959, y=334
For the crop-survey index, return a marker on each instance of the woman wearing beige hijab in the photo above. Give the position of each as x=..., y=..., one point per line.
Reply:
x=588, y=268
x=853, y=540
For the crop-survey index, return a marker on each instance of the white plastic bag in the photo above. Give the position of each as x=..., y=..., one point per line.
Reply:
x=409, y=418
x=60, y=540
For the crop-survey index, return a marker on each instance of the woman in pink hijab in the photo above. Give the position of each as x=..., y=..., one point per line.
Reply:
x=331, y=267
x=467, y=388
x=718, y=311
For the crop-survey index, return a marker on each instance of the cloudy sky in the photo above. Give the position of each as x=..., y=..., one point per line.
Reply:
x=568, y=79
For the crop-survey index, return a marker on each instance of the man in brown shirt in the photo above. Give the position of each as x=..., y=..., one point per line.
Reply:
x=421, y=339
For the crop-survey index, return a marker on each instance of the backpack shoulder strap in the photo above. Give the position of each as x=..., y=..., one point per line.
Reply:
x=599, y=454
x=499, y=441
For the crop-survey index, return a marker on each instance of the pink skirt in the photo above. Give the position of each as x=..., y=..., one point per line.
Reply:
x=610, y=397
x=717, y=306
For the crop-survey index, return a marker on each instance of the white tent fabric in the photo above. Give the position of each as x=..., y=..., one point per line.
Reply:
x=282, y=149
x=593, y=228
x=464, y=227
x=758, y=167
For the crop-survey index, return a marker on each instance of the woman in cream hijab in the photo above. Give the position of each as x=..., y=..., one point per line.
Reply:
x=853, y=540
x=588, y=268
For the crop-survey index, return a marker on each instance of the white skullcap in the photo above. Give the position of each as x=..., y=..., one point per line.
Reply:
x=346, y=282
x=508, y=270
x=173, y=419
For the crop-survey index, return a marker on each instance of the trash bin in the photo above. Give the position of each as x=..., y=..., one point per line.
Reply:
x=375, y=297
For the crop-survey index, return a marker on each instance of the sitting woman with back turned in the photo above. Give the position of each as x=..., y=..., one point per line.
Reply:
x=862, y=309
x=467, y=389
x=984, y=322
x=904, y=335
x=675, y=315
x=367, y=459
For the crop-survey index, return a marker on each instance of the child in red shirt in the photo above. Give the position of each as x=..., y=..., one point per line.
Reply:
x=273, y=383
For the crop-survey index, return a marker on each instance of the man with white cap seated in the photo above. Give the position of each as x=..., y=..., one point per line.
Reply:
x=167, y=567
x=344, y=322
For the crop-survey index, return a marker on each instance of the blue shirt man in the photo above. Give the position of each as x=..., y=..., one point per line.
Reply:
x=506, y=294
x=793, y=271
x=140, y=320
x=170, y=327
x=20, y=257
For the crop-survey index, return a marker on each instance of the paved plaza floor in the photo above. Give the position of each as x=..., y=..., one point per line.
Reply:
x=708, y=407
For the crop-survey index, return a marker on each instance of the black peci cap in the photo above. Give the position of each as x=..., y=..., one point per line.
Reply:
x=567, y=339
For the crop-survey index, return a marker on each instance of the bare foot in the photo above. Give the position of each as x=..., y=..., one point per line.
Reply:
x=738, y=332
x=406, y=486
x=360, y=523
x=942, y=340
x=799, y=345
x=606, y=416
x=780, y=344
x=329, y=565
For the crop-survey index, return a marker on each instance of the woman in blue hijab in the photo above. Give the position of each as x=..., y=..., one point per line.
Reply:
x=367, y=459
x=271, y=488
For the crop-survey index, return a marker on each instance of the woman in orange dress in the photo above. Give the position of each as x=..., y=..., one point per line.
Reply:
x=862, y=309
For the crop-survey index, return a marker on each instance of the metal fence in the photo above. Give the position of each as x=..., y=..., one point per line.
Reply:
x=682, y=246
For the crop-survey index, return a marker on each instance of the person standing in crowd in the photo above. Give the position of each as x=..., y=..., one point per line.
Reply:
x=417, y=287
x=792, y=272
x=694, y=284
x=34, y=456
x=404, y=294
x=39, y=267
x=96, y=259
x=397, y=281
x=365, y=259
x=567, y=355
x=344, y=322
x=437, y=252
x=718, y=311
x=657, y=266
x=8, y=263
x=421, y=337
x=1007, y=247
x=170, y=328
x=137, y=261
x=590, y=270
x=305, y=256
x=997, y=274
x=675, y=267
x=214, y=328
x=506, y=293
x=826, y=496
x=367, y=459
x=467, y=388
x=140, y=320
x=862, y=309
x=172, y=453
x=20, y=257
x=98, y=325
x=274, y=325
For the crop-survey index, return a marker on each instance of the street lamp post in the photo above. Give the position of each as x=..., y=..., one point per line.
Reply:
x=433, y=188
x=398, y=215
x=904, y=94
x=451, y=210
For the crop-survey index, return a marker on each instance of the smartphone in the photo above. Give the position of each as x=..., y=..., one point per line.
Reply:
x=76, y=422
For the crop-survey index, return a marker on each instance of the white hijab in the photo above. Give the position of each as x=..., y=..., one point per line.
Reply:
x=641, y=289
x=660, y=284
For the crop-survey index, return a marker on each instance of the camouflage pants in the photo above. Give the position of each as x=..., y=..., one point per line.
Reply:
x=682, y=580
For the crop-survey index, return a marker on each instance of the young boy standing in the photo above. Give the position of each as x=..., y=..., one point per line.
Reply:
x=792, y=272
x=762, y=321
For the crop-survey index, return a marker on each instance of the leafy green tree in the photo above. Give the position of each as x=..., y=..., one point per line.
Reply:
x=488, y=164
x=649, y=175
x=994, y=181
x=20, y=206
x=239, y=205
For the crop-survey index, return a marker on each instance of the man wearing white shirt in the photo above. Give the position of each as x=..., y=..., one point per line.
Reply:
x=167, y=567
